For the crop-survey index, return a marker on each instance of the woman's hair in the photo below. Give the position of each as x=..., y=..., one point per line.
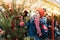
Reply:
x=44, y=9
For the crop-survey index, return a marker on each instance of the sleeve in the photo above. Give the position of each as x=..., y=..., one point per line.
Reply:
x=43, y=20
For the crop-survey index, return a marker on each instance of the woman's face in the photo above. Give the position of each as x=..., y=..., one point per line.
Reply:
x=37, y=14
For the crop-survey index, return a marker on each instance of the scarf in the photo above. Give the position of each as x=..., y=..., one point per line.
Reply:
x=36, y=21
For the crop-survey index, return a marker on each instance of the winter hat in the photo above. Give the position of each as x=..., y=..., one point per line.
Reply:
x=41, y=11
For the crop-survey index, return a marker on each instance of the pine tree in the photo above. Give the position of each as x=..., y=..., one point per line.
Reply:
x=10, y=21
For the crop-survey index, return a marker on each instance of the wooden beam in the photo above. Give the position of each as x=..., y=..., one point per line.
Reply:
x=52, y=26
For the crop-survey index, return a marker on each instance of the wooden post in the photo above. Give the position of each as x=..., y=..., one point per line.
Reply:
x=52, y=26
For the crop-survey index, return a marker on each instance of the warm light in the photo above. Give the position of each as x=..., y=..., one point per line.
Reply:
x=28, y=4
x=2, y=8
x=58, y=1
x=48, y=8
x=32, y=5
x=58, y=12
x=55, y=11
x=19, y=2
x=8, y=1
x=0, y=3
x=35, y=5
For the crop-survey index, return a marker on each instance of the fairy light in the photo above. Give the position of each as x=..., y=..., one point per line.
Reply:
x=32, y=5
x=58, y=12
x=2, y=8
x=18, y=2
x=9, y=6
x=28, y=4
x=55, y=11
x=58, y=1
x=8, y=1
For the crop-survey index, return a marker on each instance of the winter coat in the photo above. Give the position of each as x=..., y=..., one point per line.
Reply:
x=31, y=28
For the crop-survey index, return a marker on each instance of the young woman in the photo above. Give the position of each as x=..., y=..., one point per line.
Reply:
x=33, y=27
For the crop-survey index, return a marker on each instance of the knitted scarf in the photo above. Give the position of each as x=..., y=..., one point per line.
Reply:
x=36, y=21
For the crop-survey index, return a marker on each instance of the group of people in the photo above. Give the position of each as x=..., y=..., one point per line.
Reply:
x=38, y=25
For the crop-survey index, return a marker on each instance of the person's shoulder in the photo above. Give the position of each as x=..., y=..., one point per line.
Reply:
x=44, y=17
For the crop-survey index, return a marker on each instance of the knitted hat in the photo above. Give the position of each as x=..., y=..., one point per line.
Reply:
x=41, y=11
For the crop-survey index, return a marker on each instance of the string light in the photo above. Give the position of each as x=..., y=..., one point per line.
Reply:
x=9, y=6
x=55, y=11
x=2, y=8
x=33, y=6
x=58, y=1
x=8, y=1
x=19, y=1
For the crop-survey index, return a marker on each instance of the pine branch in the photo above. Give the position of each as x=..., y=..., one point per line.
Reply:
x=14, y=7
x=2, y=24
x=6, y=8
x=6, y=21
x=20, y=11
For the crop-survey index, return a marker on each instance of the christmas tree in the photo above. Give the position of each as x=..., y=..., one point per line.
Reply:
x=13, y=21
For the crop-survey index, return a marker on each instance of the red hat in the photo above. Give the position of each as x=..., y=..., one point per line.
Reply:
x=41, y=11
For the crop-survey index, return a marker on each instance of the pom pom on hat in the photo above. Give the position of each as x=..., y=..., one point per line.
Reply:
x=22, y=24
